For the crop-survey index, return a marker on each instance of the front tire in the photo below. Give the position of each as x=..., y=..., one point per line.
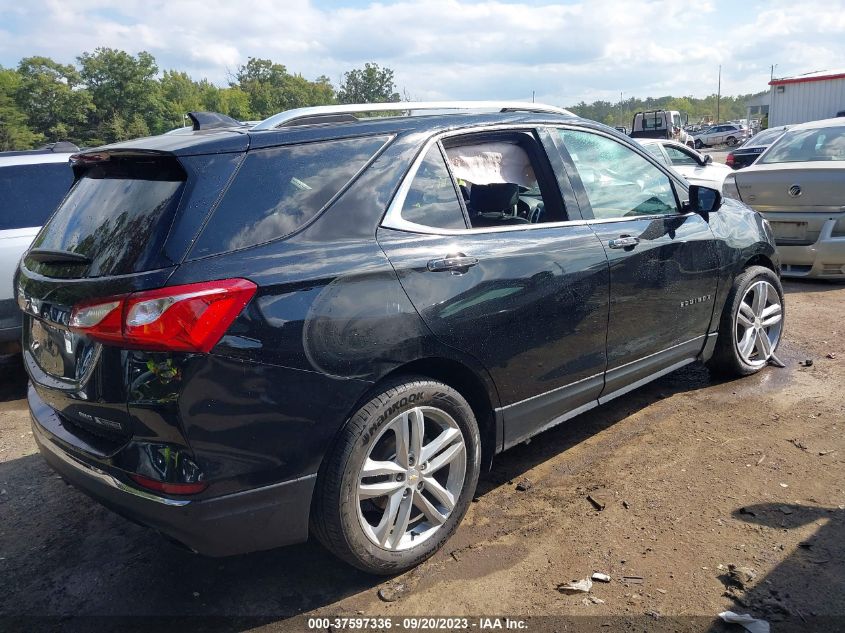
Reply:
x=751, y=324
x=698, y=144
x=399, y=478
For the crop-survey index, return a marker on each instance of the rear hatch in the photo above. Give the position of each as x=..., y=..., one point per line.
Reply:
x=124, y=227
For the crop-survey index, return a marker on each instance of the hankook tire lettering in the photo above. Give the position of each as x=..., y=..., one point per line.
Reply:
x=389, y=414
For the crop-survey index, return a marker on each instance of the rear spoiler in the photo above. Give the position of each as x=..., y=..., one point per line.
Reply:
x=212, y=121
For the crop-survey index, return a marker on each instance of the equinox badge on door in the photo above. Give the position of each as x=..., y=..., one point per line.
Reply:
x=689, y=302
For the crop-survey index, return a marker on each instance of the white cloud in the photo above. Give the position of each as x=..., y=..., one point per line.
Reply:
x=585, y=49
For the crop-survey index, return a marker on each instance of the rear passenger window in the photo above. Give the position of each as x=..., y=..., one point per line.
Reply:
x=277, y=190
x=654, y=150
x=432, y=199
x=30, y=193
x=680, y=157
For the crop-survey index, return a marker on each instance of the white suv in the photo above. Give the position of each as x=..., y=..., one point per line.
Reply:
x=32, y=184
x=729, y=134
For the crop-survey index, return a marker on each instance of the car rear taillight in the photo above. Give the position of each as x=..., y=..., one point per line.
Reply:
x=187, y=318
x=729, y=160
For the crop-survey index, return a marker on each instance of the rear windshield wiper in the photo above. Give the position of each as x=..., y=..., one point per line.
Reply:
x=47, y=256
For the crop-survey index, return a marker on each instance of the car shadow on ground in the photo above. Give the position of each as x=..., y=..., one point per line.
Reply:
x=64, y=556
x=799, y=594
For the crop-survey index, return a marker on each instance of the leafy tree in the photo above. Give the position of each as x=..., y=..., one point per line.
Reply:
x=123, y=87
x=50, y=95
x=14, y=132
x=179, y=94
x=233, y=101
x=370, y=84
x=271, y=88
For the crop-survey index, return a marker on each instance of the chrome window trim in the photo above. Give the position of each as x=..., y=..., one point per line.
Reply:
x=393, y=217
x=658, y=216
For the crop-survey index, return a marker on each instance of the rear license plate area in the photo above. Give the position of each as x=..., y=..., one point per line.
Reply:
x=790, y=231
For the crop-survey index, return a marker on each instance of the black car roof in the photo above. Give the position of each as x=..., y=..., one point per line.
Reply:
x=241, y=139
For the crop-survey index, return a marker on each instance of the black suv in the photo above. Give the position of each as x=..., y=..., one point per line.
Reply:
x=330, y=325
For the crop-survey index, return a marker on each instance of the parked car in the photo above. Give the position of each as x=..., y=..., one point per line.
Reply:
x=729, y=134
x=32, y=183
x=751, y=149
x=697, y=169
x=241, y=338
x=798, y=184
x=665, y=124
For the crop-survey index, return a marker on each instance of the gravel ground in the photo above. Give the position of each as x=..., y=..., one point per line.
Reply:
x=695, y=475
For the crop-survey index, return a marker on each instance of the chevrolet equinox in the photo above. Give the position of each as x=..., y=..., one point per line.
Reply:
x=329, y=324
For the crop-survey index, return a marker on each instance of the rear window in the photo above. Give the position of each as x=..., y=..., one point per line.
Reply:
x=117, y=214
x=766, y=137
x=30, y=193
x=278, y=190
x=654, y=121
x=797, y=146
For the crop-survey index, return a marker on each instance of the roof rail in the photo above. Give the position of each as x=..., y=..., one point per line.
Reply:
x=335, y=113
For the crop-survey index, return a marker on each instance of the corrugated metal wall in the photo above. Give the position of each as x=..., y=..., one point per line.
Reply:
x=806, y=101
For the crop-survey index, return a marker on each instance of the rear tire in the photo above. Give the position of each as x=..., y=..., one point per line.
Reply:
x=731, y=141
x=420, y=443
x=751, y=324
x=698, y=144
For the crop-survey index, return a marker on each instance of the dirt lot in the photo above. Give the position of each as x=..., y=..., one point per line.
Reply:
x=696, y=475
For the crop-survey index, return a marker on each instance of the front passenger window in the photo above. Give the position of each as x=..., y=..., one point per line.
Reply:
x=618, y=181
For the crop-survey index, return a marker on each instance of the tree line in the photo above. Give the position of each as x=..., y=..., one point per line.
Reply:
x=110, y=95
x=697, y=109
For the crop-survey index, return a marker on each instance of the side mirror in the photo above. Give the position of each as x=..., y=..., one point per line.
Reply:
x=703, y=200
x=708, y=159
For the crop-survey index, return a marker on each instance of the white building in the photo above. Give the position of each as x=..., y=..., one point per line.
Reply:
x=810, y=97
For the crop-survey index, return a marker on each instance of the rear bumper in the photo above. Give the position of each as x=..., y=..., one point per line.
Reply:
x=256, y=519
x=824, y=259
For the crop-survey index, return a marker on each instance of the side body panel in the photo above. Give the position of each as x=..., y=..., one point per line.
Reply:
x=533, y=311
x=662, y=293
x=662, y=284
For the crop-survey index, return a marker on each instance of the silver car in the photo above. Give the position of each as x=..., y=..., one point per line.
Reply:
x=696, y=168
x=729, y=134
x=798, y=184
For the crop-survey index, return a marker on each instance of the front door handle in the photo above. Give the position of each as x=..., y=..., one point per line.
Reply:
x=624, y=241
x=459, y=262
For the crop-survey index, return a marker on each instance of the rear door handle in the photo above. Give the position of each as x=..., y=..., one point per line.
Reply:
x=459, y=262
x=624, y=241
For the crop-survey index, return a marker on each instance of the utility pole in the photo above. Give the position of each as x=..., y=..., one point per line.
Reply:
x=532, y=96
x=719, y=94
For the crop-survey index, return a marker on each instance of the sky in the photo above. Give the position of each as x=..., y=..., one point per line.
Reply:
x=561, y=52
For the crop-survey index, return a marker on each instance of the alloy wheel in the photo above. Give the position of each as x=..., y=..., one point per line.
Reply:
x=758, y=323
x=411, y=478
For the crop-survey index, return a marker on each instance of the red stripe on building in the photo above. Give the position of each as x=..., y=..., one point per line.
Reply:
x=801, y=80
